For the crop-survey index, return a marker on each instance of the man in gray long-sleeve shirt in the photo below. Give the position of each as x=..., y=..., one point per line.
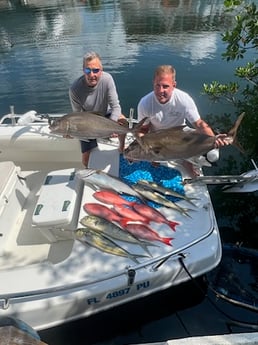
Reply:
x=95, y=91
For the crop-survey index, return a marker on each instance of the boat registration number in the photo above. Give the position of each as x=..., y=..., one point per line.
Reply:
x=121, y=292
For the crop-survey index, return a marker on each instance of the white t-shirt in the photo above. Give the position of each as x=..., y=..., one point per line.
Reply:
x=175, y=112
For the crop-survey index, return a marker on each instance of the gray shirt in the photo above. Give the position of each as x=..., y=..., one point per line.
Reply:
x=102, y=98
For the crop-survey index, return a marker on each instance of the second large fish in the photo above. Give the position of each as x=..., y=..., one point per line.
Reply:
x=175, y=143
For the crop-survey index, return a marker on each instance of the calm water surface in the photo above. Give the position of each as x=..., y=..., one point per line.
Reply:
x=41, y=48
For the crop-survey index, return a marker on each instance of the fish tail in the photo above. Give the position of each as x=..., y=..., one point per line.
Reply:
x=173, y=224
x=185, y=211
x=145, y=247
x=139, y=125
x=167, y=240
x=135, y=256
x=233, y=132
x=124, y=221
x=189, y=200
x=186, y=214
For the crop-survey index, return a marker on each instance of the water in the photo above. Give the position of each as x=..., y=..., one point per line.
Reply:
x=42, y=45
x=41, y=48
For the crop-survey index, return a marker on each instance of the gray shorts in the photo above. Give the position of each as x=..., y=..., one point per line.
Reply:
x=88, y=145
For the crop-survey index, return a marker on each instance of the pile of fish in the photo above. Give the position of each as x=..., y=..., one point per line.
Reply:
x=114, y=218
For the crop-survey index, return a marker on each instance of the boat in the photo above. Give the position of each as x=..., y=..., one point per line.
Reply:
x=49, y=275
x=246, y=182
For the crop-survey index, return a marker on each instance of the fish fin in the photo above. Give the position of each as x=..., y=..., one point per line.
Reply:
x=134, y=257
x=173, y=224
x=233, y=132
x=139, y=124
x=167, y=240
x=136, y=130
x=124, y=221
x=140, y=142
x=96, y=113
x=238, y=146
x=145, y=247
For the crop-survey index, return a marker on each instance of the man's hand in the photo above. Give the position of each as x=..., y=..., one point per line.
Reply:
x=222, y=140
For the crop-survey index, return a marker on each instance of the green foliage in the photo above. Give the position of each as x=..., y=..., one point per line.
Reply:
x=216, y=91
x=244, y=35
x=243, y=94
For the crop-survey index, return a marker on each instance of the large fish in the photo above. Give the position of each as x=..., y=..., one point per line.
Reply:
x=102, y=179
x=87, y=125
x=112, y=230
x=104, y=244
x=175, y=143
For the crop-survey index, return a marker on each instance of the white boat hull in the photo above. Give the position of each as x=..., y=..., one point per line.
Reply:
x=47, y=276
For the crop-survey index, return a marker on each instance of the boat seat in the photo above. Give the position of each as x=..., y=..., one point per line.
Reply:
x=7, y=171
x=58, y=205
x=13, y=194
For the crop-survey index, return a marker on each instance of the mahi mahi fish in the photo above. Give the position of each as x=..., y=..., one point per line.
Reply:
x=175, y=143
x=102, y=179
x=104, y=244
x=112, y=230
x=88, y=125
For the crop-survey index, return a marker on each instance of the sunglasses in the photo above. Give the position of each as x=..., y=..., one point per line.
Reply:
x=93, y=70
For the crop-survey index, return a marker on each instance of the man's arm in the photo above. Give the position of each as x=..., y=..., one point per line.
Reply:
x=141, y=114
x=113, y=100
x=203, y=127
x=75, y=103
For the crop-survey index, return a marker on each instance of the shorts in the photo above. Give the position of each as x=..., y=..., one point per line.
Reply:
x=88, y=145
x=92, y=143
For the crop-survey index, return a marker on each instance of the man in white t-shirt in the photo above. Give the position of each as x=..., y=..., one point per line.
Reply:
x=167, y=106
